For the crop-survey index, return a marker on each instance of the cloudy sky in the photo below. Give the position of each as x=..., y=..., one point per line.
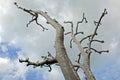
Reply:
x=18, y=41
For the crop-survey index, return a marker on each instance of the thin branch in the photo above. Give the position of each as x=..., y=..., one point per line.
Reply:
x=74, y=38
x=50, y=68
x=34, y=16
x=71, y=43
x=100, y=52
x=50, y=55
x=71, y=25
x=85, y=38
x=98, y=41
x=78, y=61
x=79, y=57
x=95, y=22
x=67, y=33
x=95, y=31
x=83, y=19
x=72, y=32
x=28, y=11
x=99, y=22
x=78, y=33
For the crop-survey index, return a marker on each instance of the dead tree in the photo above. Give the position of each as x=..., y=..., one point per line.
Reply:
x=69, y=70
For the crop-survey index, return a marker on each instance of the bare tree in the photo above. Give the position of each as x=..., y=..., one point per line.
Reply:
x=69, y=69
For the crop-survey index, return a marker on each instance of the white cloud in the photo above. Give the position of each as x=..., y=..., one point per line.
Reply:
x=11, y=70
x=4, y=6
x=3, y=62
x=5, y=65
x=4, y=48
x=114, y=44
x=55, y=74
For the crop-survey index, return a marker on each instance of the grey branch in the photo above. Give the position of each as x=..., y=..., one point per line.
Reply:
x=78, y=61
x=100, y=52
x=67, y=33
x=71, y=43
x=34, y=16
x=46, y=63
x=83, y=19
x=98, y=41
x=71, y=25
x=78, y=33
x=50, y=55
x=95, y=31
x=85, y=38
x=99, y=22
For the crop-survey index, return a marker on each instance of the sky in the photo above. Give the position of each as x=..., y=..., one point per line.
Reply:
x=17, y=41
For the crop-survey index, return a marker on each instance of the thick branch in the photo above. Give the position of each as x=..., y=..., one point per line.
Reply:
x=45, y=63
x=35, y=14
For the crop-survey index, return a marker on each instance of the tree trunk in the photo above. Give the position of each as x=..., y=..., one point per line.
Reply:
x=86, y=68
x=62, y=57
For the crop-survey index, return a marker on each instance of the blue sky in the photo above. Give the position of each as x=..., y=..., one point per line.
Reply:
x=18, y=41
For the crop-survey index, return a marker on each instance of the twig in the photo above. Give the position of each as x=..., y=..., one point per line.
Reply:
x=71, y=25
x=67, y=33
x=97, y=41
x=99, y=22
x=49, y=55
x=71, y=43
x=85, y=38
x=78, y=33
x=83, y=19
x=97, y=50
